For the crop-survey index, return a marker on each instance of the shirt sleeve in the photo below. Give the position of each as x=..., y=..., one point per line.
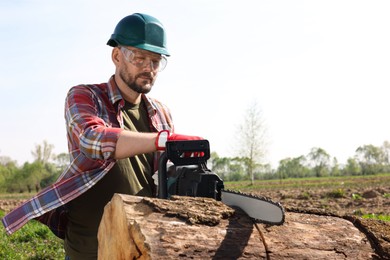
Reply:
x=89, y=119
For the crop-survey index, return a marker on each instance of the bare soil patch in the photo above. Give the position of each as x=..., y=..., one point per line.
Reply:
x=345, y=198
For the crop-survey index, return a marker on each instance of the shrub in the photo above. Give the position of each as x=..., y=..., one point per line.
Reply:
x=338, y=193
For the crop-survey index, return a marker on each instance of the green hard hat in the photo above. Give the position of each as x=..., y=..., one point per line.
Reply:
x=140, y=31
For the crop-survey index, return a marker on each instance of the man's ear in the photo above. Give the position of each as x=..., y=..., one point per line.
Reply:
x=115, y=56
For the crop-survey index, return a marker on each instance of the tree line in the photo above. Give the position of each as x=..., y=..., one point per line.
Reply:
x=251, y=140
x=32, y=177
x=367, y=160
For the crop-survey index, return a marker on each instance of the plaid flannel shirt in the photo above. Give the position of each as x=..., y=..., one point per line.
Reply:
x=94, y=120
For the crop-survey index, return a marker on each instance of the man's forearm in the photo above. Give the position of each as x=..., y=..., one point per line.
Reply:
x=133, y=143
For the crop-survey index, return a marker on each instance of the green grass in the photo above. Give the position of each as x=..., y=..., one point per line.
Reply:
x=377, y=217
x=5, y=196
x=34, y=241
x=313, y=182
x=336, y=193
x=356, y=196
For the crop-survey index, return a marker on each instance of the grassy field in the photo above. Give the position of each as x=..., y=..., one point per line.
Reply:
x=35, y=241
x=346, y=182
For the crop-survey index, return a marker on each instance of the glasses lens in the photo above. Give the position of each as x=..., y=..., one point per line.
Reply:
x=129, y=55
x=163, y=63
x=141, y=61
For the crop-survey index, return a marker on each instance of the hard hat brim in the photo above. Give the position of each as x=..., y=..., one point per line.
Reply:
x=143, y=46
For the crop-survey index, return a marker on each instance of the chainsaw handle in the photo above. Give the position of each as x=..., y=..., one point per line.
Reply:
x=178, y=152
x=162, y=176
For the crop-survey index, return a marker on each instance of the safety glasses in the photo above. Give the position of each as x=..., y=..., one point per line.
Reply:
x=141, y=60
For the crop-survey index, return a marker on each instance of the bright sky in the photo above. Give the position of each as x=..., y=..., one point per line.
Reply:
x=319, y=70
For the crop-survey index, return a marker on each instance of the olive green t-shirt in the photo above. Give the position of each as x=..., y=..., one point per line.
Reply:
x=131, y=176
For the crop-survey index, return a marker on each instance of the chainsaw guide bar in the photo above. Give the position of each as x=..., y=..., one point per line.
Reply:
x=261, y=209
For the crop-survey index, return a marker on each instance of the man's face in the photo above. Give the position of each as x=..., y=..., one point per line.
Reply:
x=138, y=69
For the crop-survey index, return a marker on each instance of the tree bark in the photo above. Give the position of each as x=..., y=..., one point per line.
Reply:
x=200, y=228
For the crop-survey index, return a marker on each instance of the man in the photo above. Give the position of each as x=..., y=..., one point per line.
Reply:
x=114, y=131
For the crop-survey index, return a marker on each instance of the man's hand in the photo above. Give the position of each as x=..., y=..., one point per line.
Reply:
x=164, y=136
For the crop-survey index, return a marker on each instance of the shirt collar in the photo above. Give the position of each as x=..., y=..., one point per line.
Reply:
x=113, y=91
x=152, y=110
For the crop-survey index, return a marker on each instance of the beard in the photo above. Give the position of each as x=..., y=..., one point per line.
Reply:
x=145, y=79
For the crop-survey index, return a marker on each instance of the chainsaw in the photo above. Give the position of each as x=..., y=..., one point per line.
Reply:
x=190, y=176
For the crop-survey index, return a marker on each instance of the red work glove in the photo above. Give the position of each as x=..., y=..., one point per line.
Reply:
x=164, y=136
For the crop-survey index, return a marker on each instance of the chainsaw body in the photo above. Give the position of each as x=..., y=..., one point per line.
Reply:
x=190, y=175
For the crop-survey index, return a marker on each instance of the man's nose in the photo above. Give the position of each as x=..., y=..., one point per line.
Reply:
x=148, y=66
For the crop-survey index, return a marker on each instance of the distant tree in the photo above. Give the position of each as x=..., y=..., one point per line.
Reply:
x=220, y=165
x=292, y=168
x=7, y=161
x=27, y=178
x=386, y=151
x=264, y=171
x=236, y=172
x=335, y=168
x=352, y=167
x=33, y=176
x=43, y=152
x=386, y=155
x=8, y=169
x=62, y=161
x=371, y=159
x=320, y=160
x=251, y=140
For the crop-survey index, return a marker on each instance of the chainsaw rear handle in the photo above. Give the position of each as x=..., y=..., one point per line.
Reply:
x=176, y=152
x=179, y=152
x=162, y=176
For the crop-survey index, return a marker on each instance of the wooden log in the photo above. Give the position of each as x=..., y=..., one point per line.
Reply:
x=198, y=228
